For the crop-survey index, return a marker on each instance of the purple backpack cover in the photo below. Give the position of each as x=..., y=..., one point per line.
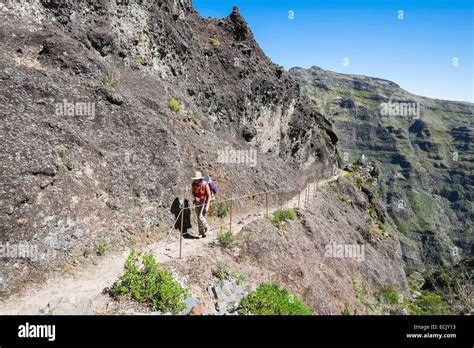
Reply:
x=212, y=184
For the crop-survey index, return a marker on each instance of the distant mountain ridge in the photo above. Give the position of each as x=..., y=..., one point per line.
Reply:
x=424, y=148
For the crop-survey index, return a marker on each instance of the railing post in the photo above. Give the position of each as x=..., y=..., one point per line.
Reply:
x=266, y=202
x=230, y=215
x=181, y=233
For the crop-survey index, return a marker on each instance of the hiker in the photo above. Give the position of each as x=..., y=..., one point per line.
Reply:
x=202, y=200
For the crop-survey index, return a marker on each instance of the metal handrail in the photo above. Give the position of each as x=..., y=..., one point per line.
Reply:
x=182, y=209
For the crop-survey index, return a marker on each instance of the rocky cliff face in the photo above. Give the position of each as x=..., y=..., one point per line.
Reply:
x=107, y=108
x=423, y=148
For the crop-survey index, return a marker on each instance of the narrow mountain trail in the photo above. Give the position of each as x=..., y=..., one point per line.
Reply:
x=88, y=282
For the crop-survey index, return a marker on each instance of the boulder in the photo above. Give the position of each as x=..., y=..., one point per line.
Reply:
x=416, y=294
x=197, y=310
x=190, y=303
x=69, y=306
x=115, y=98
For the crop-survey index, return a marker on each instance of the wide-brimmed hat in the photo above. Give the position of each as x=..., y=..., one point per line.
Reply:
x=197, y=176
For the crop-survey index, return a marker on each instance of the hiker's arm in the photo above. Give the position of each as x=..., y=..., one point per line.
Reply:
x=208, y=195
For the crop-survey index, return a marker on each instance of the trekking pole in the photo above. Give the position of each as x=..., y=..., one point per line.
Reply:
x=181, y=234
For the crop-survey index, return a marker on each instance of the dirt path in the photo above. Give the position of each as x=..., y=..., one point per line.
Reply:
x=90, y=281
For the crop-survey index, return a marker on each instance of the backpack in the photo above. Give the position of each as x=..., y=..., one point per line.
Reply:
x=212, y=185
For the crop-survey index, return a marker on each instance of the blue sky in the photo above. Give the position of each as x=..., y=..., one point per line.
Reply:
x=416, y=52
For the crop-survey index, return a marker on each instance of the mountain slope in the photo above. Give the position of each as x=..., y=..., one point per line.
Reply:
x=423, y=148
x=108, y=109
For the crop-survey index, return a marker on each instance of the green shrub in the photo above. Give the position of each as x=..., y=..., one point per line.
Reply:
x=174, y=105
x=381, y=225
x=346, y=311
x=359, y=182
x=215, y=41
x=222, y=210
x=108, y=80
x=334, y=185
x=223, y=272
x=112, y=76
x=137, y=63
x=281, y=215
x=62, y=152
x=225, y=238
x=323, y=133
x=430, y=303
x=271, y=299
x=240, y=279
x=372, y=211
x=345, y=198
x=285, y=214
x=389, y=295
x=101, y=249
x=358, y=288
x=415, y=284
x=144, y=281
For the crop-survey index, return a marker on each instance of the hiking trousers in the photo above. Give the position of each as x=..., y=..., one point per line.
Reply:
x=201, y=218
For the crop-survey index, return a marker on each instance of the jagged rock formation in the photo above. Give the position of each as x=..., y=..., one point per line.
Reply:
x=424, y=149
x=108, y=107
